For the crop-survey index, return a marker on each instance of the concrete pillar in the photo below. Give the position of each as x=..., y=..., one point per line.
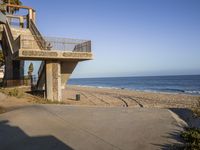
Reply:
x=8, y=74
x=66, y=70
x=34, y=16
x=30, y=13
x=14, y=72
x=53, y=81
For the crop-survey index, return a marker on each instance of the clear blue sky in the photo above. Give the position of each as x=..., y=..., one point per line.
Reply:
x=130, y=37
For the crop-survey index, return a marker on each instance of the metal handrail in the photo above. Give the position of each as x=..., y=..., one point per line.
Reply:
x=19, y=6
x=52, y=43
x=38, y=36
x=10, y=36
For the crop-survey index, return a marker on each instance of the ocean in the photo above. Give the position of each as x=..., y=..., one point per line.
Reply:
x=188, y=84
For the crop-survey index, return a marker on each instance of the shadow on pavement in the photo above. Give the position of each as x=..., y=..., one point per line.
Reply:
x=192, y=121
x=13, y=138
x=188, y=116
x=184, y=114
x=174, y=146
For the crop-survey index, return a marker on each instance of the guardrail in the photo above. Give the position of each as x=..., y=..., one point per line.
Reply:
x=39, y=38
x=51, y=43
x=9, y=36
x=17, y=21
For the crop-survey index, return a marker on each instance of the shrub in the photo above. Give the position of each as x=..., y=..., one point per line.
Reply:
x=196, y=109
x=192, y=138
x=12, y=92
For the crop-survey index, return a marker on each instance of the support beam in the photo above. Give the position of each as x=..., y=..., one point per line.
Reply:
x=14, y=72
x=53, y=81
x=66, y=70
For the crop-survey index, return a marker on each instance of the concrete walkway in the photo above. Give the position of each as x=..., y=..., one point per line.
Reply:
x=40, y=127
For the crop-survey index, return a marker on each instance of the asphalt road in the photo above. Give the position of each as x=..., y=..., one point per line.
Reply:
x=51, y=127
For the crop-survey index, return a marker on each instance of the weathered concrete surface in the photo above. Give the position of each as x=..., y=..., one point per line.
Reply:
x=85, y=128
x=53, y=81
x=66, y=70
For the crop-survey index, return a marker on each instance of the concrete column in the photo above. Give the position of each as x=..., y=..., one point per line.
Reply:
x=8, y=74
x=53, y=81
x=66, y=70
x=34, y=16
x=30, y=13
x=14, y=72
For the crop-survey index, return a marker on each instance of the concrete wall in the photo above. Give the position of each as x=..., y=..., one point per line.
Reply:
x=66, y=70
x=53, y=81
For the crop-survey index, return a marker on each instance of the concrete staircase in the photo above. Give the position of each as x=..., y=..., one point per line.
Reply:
x=29, y=40
x=57, y=65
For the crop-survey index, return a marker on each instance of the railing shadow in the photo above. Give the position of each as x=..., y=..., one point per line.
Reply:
x=38, y=93
x=177, y=145
x=14, y=138
x=187, y=116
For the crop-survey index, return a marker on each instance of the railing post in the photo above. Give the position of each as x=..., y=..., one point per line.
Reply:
x=34, y=15
x=27, y=21
x=30, y=12
x=20, y=40
x=21, y=21
x=30, y=17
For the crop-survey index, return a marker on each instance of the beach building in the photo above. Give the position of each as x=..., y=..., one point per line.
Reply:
x=21, y=40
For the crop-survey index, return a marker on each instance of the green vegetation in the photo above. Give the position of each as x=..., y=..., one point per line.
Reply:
x=15, y=2
x=12, y=92
x=27, y=81
x=192, y=138
x=196, y=109
x=46, y=101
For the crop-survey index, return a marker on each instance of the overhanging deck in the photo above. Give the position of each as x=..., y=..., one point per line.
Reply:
x=52, y=55
x=32, y=47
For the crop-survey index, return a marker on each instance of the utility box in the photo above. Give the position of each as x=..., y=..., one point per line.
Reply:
x=78, y=97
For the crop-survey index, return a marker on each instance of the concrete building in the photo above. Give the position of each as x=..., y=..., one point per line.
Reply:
x=21, y=40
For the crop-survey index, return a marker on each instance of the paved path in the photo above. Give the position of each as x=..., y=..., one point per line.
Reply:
x=40, y=127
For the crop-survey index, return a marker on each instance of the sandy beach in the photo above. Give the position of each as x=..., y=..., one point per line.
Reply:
x=103, y=97
x=125, y=98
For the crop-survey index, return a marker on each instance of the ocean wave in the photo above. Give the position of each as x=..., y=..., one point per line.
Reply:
x=165, y=90
x=193, y=92
x=99, y=87
x=172, y=90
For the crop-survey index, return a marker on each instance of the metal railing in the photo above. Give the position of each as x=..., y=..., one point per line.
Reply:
x=17, y=21
x=38, y=36
x=51, y=43
x=9, y=36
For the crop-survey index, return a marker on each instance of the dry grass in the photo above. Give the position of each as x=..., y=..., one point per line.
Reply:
x=15, y=92
x=45, y=101
x=23, y=93
x=191, y=136
x=2, y=110
x=196, y=109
